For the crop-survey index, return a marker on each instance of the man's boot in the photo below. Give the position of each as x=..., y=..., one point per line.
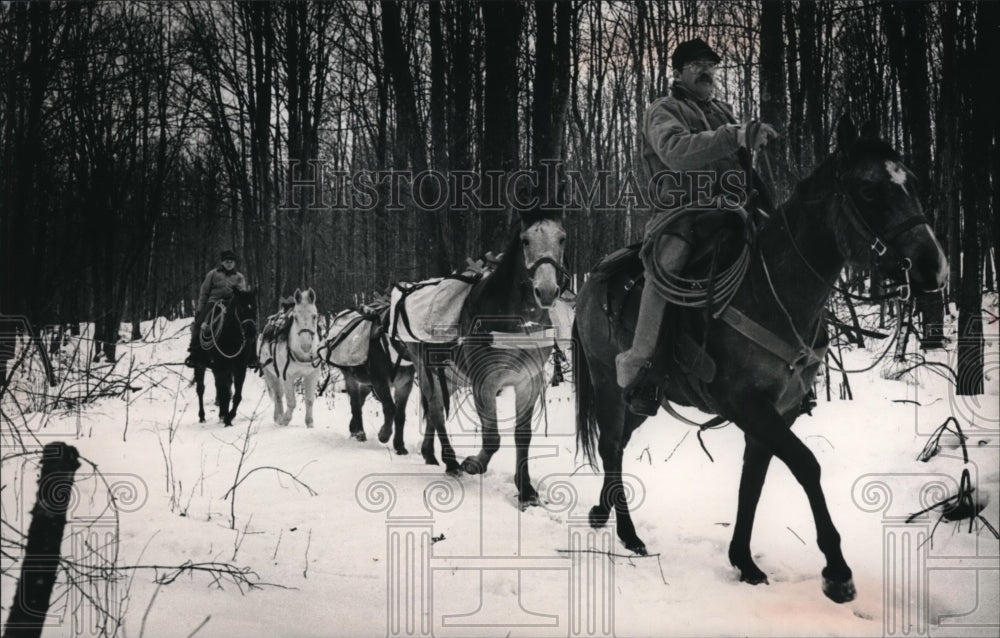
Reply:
x=642, y=393
x=633, y=365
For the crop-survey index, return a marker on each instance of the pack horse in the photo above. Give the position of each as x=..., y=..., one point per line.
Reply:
x=505, y=336
x=289, y=355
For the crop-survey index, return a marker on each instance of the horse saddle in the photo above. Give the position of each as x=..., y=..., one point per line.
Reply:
x=277, y=326
x=677, y=353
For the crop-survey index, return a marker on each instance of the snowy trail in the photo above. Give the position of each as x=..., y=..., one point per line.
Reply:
x=325, y=556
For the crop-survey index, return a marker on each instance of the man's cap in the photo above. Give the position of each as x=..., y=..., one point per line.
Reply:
x=692, y=50
x=228, y=254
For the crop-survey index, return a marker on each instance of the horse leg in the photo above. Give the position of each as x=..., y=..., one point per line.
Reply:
x=199, y=384
x=309, y=388
x=451, y=465
x=275, y=392
x=239, y=376
x=380, y=386
x=357, y=392
x=486, y=406
x=613, y=494
x=432, y=394
x=762, y=422
x=525, y=402
x=402, y=385
x=223, y=392
x=428, y=390
x=289, y=386
x=756, y=459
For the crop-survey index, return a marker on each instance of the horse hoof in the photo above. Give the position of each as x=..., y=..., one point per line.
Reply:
x=201, y=419
x=401, y=451
x=359, y=436
x=752, y=576
x=637, y=547
x=839, y=591
x=430, y=459
x=309, y=425
x=384, y=434
x=472, y=465
x=599, y=516
x=452, y=468
x=530, y=501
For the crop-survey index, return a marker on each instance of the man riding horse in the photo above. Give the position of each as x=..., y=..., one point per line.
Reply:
x=689, y=136
x=218, y=286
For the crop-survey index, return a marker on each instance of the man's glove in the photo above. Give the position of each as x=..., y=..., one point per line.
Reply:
x=754, y=135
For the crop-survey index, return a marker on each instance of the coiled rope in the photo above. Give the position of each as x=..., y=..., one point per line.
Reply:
x=212, y=328
x=718, y=289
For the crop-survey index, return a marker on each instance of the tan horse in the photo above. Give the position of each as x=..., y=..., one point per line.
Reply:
x=291, y=355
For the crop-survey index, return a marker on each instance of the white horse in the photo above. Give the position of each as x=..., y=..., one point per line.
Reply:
x=290, y=355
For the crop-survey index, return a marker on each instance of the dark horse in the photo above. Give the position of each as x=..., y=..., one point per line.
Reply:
x=860, y=198
x=228, y=342
x=499, y=345
x=388, y=372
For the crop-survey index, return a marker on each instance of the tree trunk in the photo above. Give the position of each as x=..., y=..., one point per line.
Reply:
x=502, y=21
x=773, y=108
x=977, y=145
x=44, y=543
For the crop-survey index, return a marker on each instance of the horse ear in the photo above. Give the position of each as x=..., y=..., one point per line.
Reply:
x=869, y=129
x=310, y=296
x=847, y=133
x=298, y=296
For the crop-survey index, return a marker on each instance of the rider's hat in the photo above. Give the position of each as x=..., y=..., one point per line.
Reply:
x=228, y=254
x=692, y=50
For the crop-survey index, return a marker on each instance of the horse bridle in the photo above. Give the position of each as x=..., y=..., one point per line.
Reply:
x=565, y=280
x=881, y=243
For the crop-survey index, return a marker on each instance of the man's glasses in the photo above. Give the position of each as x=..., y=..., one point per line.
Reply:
x=700, y=65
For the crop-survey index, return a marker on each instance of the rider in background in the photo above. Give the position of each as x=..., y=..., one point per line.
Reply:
x=697, y=136
x=219, y=285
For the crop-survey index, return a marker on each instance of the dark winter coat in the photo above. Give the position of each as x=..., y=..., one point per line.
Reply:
x=219, y=285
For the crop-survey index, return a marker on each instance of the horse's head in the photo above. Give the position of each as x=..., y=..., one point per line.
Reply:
x=542, y=243
x=877, y=195
x=305, y=322
x=245, y=304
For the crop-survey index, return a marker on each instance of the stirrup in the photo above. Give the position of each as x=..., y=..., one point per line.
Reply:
x=642, y=396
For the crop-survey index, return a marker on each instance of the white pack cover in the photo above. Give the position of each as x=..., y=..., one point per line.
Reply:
x=352, y=349
x=433, y=308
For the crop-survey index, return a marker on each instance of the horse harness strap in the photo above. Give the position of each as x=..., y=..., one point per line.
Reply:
x=767, y=339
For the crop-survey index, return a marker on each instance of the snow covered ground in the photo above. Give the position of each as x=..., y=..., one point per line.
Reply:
x=350, y=560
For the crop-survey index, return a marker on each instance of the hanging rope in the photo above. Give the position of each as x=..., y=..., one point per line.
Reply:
x=212, y=328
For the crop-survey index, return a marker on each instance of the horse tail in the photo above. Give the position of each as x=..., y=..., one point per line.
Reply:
x=586, y=421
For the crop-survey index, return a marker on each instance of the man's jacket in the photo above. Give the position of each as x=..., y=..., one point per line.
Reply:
x=679, y=134
x=219, y=286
